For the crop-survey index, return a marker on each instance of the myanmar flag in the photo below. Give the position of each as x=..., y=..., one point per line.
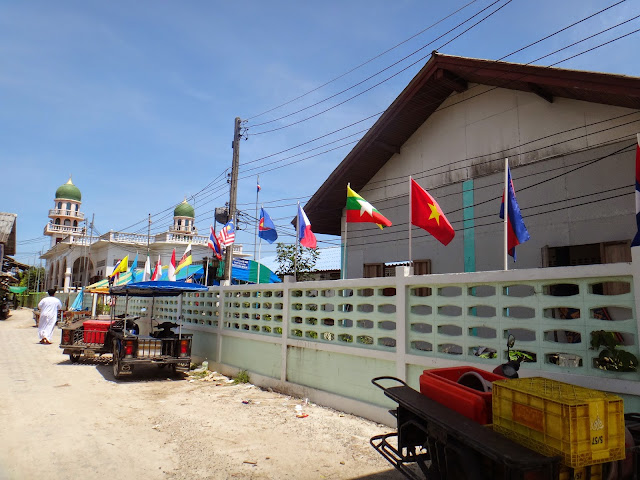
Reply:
x=361, y=211
x=427, y=214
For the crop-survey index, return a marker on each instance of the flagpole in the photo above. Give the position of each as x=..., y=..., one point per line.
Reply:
x=206, y=273
x=295, y=253
x=410, y=257
x=259, y=244
x=255, y=235
x=506, y=211
x=344, y=254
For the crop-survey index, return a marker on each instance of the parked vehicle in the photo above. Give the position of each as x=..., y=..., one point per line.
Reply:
x=447, y=432
x=133, y=339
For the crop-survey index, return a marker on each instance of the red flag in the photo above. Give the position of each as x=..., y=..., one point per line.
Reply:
x=171, y=272
x=427, y=214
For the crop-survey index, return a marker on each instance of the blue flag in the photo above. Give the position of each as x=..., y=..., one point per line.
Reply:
x=516, y=230
x=266, y=228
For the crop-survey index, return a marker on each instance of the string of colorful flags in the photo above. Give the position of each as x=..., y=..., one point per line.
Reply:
x=424, y=211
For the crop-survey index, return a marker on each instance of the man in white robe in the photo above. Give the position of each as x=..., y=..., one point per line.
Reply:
x=48, y=307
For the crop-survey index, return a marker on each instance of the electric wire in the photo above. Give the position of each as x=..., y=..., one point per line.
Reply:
x=510, y=81
x=375, y=85
x=362, y=64
x=377, y=73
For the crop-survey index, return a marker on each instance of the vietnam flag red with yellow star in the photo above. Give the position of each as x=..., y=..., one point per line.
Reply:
x=427, y=214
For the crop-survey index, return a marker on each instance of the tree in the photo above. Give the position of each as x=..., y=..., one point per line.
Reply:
x=30, y=279
x=302, y=259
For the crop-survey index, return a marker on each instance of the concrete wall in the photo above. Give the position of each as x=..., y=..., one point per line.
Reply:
x=469, y=140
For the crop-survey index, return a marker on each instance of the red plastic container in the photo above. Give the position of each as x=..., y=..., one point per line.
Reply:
x=441, y=385
x=95, y=330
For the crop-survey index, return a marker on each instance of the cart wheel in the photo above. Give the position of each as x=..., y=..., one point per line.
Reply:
x=173, y=368
x=74, y=358
x=117, y=368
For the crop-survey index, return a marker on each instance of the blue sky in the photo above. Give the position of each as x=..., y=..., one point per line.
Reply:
x=137, y=100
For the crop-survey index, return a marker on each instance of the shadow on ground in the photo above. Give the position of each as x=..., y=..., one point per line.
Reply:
x=141, y=373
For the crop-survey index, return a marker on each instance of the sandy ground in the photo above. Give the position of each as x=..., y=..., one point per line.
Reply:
x=60, y=420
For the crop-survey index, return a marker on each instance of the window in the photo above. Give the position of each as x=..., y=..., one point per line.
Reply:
x=422, y=267
x=67, y=222
x=57, y=221
x=372, y=270
x=68, y=205
x=59, y=205
x=589, y=254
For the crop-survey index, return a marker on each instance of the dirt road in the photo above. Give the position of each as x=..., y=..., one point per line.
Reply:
x=60, y=420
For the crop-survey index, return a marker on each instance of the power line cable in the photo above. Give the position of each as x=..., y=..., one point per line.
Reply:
x=563, y=48
x=375, y=74
x=362, y=64
x=375, y=85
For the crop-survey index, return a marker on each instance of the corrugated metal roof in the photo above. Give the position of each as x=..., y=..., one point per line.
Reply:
x=8, y=232
x=439, y=78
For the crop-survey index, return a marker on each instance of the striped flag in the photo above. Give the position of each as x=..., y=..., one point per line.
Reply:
x=227, y=234
x=636, y=239
x=157, y=272
x=214, y=245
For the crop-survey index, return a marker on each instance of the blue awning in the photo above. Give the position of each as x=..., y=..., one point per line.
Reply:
x=157, y=289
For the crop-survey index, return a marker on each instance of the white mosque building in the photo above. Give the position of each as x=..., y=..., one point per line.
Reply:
x=76, y=259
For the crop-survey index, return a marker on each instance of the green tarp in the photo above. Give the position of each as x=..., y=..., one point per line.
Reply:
x=17, y=289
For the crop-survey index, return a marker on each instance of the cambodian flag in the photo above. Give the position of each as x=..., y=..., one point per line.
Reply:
x=214, y=245
x=636, y=239
x=266, y=228
x=516, y=231
x=305, y=235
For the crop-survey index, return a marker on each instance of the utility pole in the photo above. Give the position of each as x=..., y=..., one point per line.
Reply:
x=228, y=258
x=88, y=253
x=148, y=235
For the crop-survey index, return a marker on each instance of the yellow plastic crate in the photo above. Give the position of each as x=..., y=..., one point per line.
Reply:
x=583, y=426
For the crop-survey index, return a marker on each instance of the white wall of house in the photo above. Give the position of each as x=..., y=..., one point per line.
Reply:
x=477, y=129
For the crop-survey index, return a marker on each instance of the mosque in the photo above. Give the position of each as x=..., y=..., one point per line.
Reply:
x=77, y=258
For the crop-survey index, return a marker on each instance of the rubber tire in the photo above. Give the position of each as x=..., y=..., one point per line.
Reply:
x=117, y=369
x=173, y=368
x=75, y=358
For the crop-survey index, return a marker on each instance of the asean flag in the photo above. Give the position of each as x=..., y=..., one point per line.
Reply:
x=427, y=214
x=516, y=230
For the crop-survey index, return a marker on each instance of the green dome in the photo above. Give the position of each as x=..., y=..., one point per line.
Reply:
x=69, y=191
x=184, y=210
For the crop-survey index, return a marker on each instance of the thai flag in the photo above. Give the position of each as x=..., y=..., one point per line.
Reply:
x=636, y=239
x=305, y=235
x=258, y=188
x=214, y=245
x=227, y=234
x=516, y=231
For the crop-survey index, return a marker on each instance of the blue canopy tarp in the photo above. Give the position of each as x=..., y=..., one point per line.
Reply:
x=157, y=289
